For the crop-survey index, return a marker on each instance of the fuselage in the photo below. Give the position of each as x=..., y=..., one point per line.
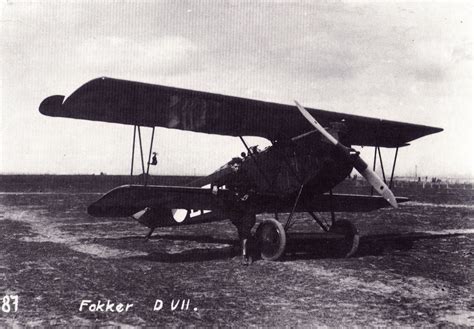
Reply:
x=253, y=183
x=284, y=167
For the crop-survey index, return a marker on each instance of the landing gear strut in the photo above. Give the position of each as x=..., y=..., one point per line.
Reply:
x=271, y=236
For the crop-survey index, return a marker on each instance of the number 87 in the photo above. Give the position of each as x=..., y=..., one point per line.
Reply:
x=7, y=300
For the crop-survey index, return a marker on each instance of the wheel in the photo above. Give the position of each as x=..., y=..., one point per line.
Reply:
x=348, y=246
x=271, y=239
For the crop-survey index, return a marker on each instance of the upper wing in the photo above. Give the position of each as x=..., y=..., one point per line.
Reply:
x=137, y=103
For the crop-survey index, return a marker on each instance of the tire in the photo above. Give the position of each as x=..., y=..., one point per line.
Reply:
x=271, y=238
x=350, y=243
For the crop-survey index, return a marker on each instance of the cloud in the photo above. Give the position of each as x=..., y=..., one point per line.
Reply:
x=402, y=61
x=167, y=55
x=322, y=56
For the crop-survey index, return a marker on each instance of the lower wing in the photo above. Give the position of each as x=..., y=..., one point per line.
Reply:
x=326, y=202
x=128, y=200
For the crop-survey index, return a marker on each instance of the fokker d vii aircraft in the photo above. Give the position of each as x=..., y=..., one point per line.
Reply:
x=310, y=154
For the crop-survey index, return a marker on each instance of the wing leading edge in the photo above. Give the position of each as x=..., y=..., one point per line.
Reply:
x=136, y=103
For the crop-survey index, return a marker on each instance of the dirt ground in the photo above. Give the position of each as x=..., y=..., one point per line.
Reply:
x=414, y=268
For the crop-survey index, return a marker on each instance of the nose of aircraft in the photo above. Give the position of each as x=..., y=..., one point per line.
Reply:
x=359, y=164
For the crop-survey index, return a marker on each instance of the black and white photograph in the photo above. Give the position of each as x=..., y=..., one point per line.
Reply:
x=236, y=163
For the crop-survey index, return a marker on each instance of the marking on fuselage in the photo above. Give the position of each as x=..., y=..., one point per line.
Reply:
x=180, y=215
x=195, y=213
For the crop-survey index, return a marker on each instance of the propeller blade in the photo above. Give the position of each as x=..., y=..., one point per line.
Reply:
x=316, y=124
x=360, y=165
x=378, y=184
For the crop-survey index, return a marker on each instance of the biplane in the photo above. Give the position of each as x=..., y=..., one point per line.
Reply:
x=310, y=153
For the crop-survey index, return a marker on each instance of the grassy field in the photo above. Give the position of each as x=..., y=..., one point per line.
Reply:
x=414, y=266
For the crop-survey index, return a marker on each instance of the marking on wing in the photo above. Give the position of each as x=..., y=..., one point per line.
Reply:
x=188, y=113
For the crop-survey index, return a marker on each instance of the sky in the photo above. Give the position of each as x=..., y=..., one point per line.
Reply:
x=404, y=61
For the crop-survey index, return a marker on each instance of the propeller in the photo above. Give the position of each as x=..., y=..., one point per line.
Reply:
x=360, y=165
